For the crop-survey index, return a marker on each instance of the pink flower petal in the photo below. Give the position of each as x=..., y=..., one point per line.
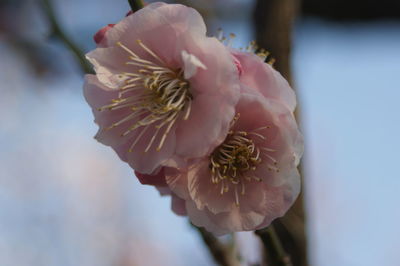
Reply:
x=191, y=64
x=99, y=36
x=164, y=191
x=108, y=64
x=160, y=26
x=265, y=79
x=150, y=161
x=245, y=217
x=97, y=95
x=177, y=184
x=154, y=180
x=204, y=193
x=196, y=142
x=215, y=93
x=178, y=206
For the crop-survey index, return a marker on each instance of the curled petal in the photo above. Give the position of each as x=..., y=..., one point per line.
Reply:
x=191, y=63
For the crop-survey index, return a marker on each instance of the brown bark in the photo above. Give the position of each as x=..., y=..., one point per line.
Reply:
x=274, y=24
x=222, y=254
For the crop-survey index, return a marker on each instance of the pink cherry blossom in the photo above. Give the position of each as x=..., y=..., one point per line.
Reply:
x=248, y=180
x=163, y=91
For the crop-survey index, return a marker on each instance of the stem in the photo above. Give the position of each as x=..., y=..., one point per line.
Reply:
x=221, y=254
x=271, y=240
x=59, y=33
x=136, y=4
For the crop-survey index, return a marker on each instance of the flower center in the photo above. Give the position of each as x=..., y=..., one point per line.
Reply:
x=233, y=163
x=154, y=94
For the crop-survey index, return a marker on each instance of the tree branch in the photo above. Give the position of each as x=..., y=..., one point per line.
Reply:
x=273, y=20
x=136, y=4
x=59, y=33
x=273, y=245
x=221, y=253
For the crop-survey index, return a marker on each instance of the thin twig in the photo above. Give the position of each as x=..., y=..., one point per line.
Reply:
x=136, y=4
x=59, y=33
x=270, y=239
x=221, y=253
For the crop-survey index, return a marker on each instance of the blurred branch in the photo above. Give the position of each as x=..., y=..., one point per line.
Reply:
x=274, y=21
x=136, y=4
x=59, y=33
x=276, y=252
x=223, y=255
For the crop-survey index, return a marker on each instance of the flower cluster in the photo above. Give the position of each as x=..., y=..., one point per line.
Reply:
x=209, y=125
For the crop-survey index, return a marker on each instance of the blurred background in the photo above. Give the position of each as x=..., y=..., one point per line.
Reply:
x=67, y=200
